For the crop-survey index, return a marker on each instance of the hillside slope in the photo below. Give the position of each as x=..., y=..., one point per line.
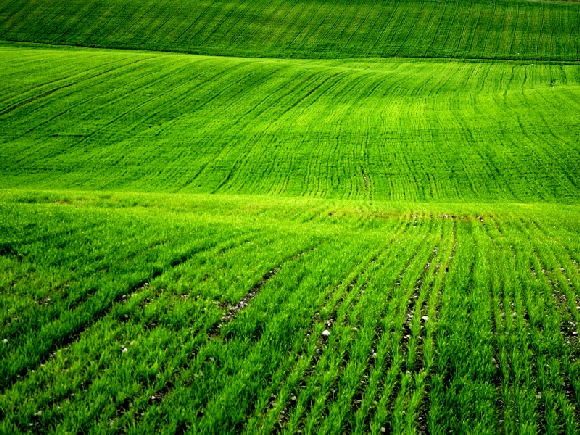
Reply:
x=305, y=28
x=249, y=244
x=166, y=313
x=387, y=130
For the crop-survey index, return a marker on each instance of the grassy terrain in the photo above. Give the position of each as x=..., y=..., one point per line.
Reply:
x=142, y=313
x=391, y=129
x=306, y=28
x=342, y=217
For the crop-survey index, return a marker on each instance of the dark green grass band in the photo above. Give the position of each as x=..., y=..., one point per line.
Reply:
x=532, y=30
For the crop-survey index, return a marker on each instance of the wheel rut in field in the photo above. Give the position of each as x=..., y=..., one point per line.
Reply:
x=213, y=333
x=281, y=405
x=310, y=404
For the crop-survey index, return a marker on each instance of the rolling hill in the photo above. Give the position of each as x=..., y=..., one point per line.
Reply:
x=289, y=216
x=383, y=130
x=328, y=29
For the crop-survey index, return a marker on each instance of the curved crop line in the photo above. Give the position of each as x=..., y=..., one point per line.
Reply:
x=505, y=292
x=385, y=366
x=233, y=310
x=306, y=403
x=240, y=126
x=362, y=417
x=151, y=85
x=74, y=74
x=343, y=88
x=195, y=21
x=434, y=304
x=333, y=302
x=73, y=331
x=117, y=117
x=214, y=81
x=47, y=102
x=196, y=359
x=562, y=384
x=80, y=75
x=85, y=379
x=319, y=402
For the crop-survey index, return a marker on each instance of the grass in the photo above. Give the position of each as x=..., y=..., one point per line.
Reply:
x=337, y=217
x=123, y=309
x=305, y=29
x=441, y=131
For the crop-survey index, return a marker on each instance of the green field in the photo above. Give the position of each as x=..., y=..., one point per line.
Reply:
x=383, y=130
x=478, y=29
x=289, y=217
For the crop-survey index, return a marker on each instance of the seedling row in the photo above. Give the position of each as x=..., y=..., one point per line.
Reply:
x=175, y=322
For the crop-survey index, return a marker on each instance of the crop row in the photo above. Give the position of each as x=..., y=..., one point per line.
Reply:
x=218, y=315
x=304, y=29
x=396, y=130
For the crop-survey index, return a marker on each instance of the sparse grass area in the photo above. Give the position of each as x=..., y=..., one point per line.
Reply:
x=123, y=309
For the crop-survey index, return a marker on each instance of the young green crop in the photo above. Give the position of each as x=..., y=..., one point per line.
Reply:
x=338, y=243
x=441, y=316
x=382, y=130
x=322, y=29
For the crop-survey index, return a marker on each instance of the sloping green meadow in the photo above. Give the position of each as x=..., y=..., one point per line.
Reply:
x=343, y=217
x=478, y=29
x=390, y=129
